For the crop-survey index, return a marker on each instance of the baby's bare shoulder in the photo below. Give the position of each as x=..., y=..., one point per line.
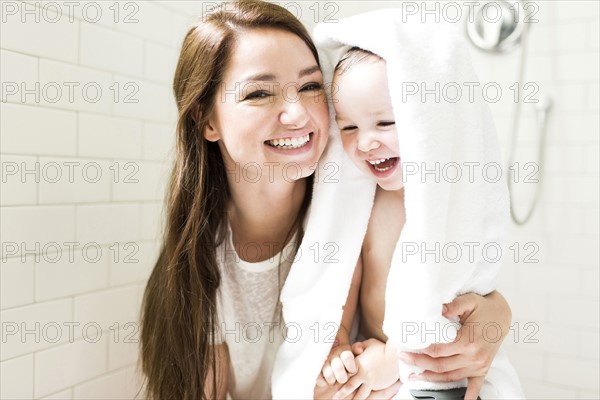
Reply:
x=388, y=210
x=386, y=221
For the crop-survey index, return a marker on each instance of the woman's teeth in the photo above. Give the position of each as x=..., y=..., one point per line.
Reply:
x=290, y=143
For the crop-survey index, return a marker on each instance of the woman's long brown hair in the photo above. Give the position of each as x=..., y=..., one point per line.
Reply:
x=179, y=305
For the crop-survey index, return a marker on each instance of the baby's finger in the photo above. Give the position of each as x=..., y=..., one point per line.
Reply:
x=328, y=374
x=358, y=348
x=348, y=359
x=348, y=388
x=339, y=370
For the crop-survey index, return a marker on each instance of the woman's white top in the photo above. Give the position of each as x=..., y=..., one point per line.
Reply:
x=248, y=311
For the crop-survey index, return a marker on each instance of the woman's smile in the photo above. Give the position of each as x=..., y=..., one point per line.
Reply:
x=290, y=142
x=291, y=145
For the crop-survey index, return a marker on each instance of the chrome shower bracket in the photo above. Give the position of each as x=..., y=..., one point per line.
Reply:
x=496, y=26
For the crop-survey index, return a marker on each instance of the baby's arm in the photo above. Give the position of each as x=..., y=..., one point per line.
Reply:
x=340, y=364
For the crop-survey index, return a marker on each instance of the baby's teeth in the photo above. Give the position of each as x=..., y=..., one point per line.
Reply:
x=375, y=162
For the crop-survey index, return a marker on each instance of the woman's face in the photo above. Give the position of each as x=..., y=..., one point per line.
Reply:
x=270, y=115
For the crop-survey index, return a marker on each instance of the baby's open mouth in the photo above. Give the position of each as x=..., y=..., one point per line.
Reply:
x=290, y=143
x=383, y=164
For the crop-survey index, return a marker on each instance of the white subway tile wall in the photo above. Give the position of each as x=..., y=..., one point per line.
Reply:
x=555, y=300
x=87, y=133
x=88, y=123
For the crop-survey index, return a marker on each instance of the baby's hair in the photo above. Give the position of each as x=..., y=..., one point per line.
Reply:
x=354, y=56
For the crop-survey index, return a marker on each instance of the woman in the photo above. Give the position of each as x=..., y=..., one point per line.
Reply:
x=251, y=103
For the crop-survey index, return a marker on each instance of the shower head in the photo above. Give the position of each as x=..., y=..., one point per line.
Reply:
x=542, y=109
x=496, y=26
x=544, y=104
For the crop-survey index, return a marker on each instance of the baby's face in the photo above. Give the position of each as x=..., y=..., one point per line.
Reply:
x=366, y=121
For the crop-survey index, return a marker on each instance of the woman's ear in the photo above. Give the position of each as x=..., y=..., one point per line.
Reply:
x=209, y=132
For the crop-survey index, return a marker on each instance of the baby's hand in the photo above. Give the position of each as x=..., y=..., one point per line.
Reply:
x=339, y=367
x=378, y=369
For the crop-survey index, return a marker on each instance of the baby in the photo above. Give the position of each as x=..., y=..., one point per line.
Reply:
x=365, y=118
x=364, y=115
x=366, y=122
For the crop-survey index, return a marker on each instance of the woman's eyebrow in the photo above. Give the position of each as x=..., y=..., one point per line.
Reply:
x=259, y=77
x=269, y=77
x=308, y=71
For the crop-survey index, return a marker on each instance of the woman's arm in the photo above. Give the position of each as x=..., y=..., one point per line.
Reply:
x=222, y=368
x=343, y=335
x=471, y=354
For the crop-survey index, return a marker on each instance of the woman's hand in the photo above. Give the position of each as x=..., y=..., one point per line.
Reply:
x=485, y=322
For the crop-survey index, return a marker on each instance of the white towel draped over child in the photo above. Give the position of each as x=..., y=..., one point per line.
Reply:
x=455, y=197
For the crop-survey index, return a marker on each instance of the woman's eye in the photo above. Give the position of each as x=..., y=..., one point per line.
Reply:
x=312, y=86
x=259, y=94
x=386, y=123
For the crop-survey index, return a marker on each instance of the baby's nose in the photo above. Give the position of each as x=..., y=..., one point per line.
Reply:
x=368, y=142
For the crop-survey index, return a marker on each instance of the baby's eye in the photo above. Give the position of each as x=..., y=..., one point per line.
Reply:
x=259, y=94
x=348, y=128
x=386, y=123
x=311, y=86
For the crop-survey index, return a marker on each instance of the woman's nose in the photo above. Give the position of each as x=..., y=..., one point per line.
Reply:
x=294, y=114
x=367, y=141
